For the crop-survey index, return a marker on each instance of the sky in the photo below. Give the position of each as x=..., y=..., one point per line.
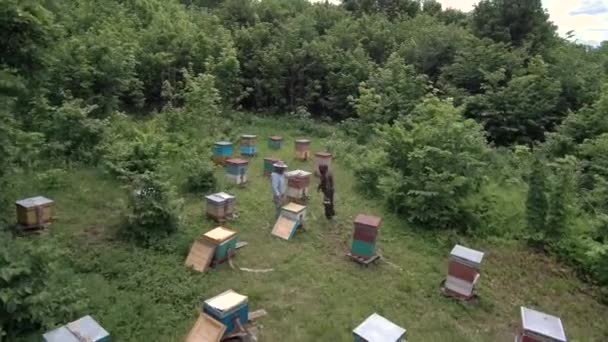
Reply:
x=587, y=18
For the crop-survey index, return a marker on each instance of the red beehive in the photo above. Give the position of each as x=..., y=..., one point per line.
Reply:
x=540, y=327
x=302, y=149
x=463, y=271
x=322, y=158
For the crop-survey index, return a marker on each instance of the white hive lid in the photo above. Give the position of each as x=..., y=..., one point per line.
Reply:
x=226, y=300
x=248, y=136
x=467, y=254
x=225, y=196
x=298, y=173
x=223, y=143
x=379, y=329
x=61, y=334
x=33, y=201
x=542, y=324
x=87, y=329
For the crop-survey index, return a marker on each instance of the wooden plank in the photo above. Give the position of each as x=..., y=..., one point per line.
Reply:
x=241, y=244
x=206, y=329
x=200, y=255
x=257, y=314
x=284, y=228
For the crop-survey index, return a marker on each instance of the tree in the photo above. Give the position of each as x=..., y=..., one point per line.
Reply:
x=435, y=163
x=518, y=22
x=536, y=203
x=390, y=8
x=562, y=192
x=523, y=111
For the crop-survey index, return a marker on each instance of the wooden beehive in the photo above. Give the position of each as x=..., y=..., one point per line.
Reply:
x=291, y=218
x=236, y=170
x=222, y=151
x=224, y=241
x=227, y=307
x=220, y=206
x=248, y=145
x=463, y=271
x=275, y=142
x=540, y=327
x=365, y=235
x=84, y=329
x=378, y=329
x=322, y=158
x=35, y=212
x=213, y=248
x=302, y=149
x=269, y=165
x=298, y=182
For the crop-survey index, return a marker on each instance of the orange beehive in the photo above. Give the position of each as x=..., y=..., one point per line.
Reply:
x=302, y=149
x=322, y=158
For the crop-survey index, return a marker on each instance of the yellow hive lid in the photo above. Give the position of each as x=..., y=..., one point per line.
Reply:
x=226, y=300
x=294, y=207
x=219, y=235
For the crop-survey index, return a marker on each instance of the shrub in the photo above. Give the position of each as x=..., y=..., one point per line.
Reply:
x=434, y=164
x=154, y=210
x=200, y=176
x=35, y=290
x=52, y=179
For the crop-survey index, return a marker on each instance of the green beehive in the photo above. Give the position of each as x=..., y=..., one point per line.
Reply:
x=225, y=243
x=363, y=249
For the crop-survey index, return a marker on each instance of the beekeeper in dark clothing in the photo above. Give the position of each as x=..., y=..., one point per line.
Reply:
x=327, y=187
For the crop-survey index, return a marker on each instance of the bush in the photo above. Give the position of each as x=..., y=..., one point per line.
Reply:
x=35, y=290
x=154, y=210
x=52, y=179
x=434, y=164
x=200, y=176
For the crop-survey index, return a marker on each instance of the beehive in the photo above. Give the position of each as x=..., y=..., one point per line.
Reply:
x=463, y=271
x=224, y=241
x=298, y=182
x=268, y=165
x=220, y=206
x=226, y=308
x=222, y=151
x=84, y=329
x=214, y=247
x=322, y=158
x=236, y=170
x=302, y=149
x=540, y=327
x=275, y=142
x=291, y=218
x=365, y=235
x=248, y=142
x=378, y=329
x=35, y=212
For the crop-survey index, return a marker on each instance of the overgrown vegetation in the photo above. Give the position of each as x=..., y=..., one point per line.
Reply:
x=482, y=124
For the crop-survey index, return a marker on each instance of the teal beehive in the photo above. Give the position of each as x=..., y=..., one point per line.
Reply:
x=275, y=142
x=222, y=151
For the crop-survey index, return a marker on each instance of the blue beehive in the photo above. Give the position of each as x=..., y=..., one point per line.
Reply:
x=248, y=142
x=236, y=170
x=222, y=150
x=84, y=329
x=227, y=307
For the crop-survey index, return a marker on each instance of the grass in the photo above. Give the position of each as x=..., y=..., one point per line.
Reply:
x=314, y=293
